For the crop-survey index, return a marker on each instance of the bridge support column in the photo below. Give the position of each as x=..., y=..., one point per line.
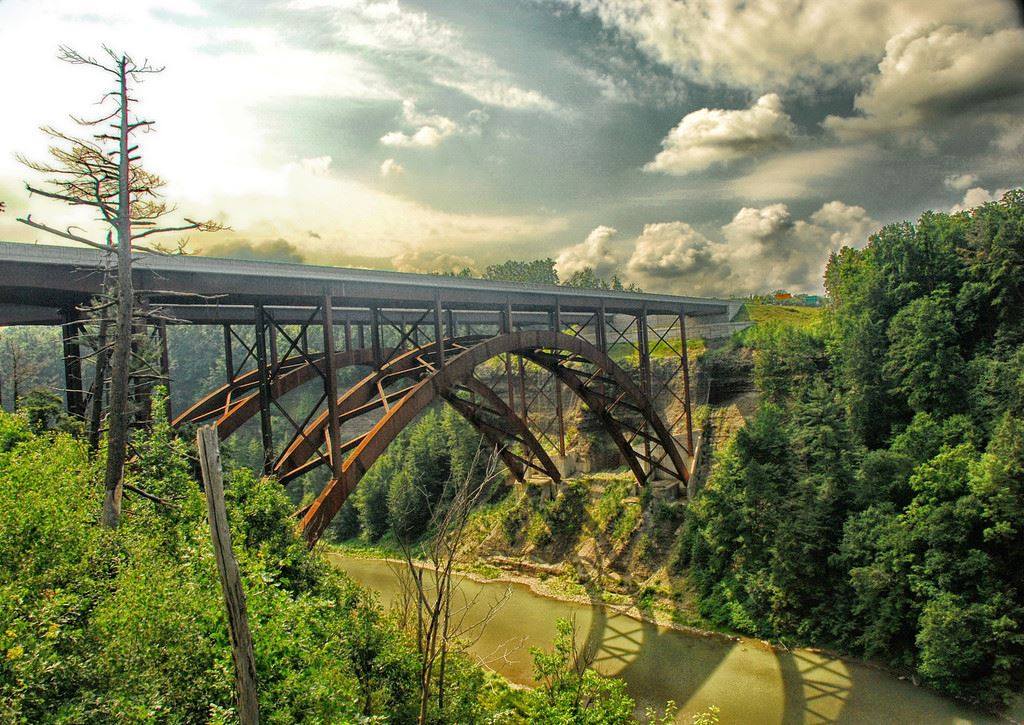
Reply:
x=266, y=432
x=643, y=344
x=378, y=358
x=331, y=390
x=73, y=395
x=691, y=482
x=438, y=330
x=556, y=326
x=229, y=358
x=506, y=328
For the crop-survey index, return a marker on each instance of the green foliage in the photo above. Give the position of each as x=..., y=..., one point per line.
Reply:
x=923, y=363
x=128, y=625
x=569, y=692
x=538, y=271
x=587, y=278
x=874, y=502
x=413, y=478
x=563, y=517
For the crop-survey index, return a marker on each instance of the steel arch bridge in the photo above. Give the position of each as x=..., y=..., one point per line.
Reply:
x=509, y=358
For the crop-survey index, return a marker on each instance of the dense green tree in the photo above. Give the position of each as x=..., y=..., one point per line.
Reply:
x=874, y=501
x=418, y=485
x=923, y=363
x=538, y=271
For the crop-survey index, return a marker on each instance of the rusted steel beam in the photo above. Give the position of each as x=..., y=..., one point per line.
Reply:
x=375, y=341
x=644, y=346
x=556, y=326
x=232, y=407
x=438, y=331
x=519, y=428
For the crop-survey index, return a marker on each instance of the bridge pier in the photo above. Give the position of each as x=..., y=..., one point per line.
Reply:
x=71, y=330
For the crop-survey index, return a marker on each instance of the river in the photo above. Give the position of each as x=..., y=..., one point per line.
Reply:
x=750, y=682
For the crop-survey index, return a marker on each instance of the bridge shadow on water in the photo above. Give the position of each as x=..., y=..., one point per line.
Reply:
x=743, y=678
x=752, y=683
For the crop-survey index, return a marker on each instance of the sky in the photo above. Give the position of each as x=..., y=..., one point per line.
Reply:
x=707, y=147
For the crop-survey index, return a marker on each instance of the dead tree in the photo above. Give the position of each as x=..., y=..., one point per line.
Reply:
x=103, y=173
x=440, y=621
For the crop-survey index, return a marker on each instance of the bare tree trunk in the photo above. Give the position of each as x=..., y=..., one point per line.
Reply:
x=120, y=373
x=125, y=196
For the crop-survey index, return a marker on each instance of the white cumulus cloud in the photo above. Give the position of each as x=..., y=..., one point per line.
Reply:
x=714, y=136
x=760, y=249
x=976, y=196
x=390, y=167
x=595, y=251
x=760, y=44
x=932, y=75
x=427, y=130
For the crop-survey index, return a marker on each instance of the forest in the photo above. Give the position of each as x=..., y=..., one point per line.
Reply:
x=874, y=504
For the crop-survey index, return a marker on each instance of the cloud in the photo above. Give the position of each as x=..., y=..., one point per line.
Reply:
x=390, y=167
x=931, y=76
x=715, y=136
x=424, y=46
x=851, y=225
x=760, y=249
x=429, y=130
x=977, y=196
x=672, y=249
x=275, y=250
x=800, y=173
x=430, y=262
x=595, y=252
x=780, y=44
x=960, y=181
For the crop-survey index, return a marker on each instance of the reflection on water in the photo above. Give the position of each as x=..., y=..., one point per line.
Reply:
x=749, y=682
x=825, y=685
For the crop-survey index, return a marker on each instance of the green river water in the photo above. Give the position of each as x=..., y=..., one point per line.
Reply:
x=748, y=681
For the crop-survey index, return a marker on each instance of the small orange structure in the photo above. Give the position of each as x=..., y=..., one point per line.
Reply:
x=783, y=296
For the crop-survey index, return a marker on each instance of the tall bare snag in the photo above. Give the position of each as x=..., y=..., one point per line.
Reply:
x=102, y=171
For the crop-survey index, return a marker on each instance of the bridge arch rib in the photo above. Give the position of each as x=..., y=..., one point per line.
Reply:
x=233, y=404
x=587, y=371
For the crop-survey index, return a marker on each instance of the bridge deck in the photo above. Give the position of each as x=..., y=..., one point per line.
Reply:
x=36, y=281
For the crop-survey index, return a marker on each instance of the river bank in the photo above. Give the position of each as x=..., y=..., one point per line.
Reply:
x=662, y=660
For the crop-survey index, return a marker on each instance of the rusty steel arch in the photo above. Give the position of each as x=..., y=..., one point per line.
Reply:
x=234, y=403
x=618, y=402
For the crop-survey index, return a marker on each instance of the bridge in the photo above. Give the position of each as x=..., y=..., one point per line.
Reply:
x=496, y=352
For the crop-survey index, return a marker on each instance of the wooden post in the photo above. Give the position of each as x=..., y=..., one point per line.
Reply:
x=231, y=584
